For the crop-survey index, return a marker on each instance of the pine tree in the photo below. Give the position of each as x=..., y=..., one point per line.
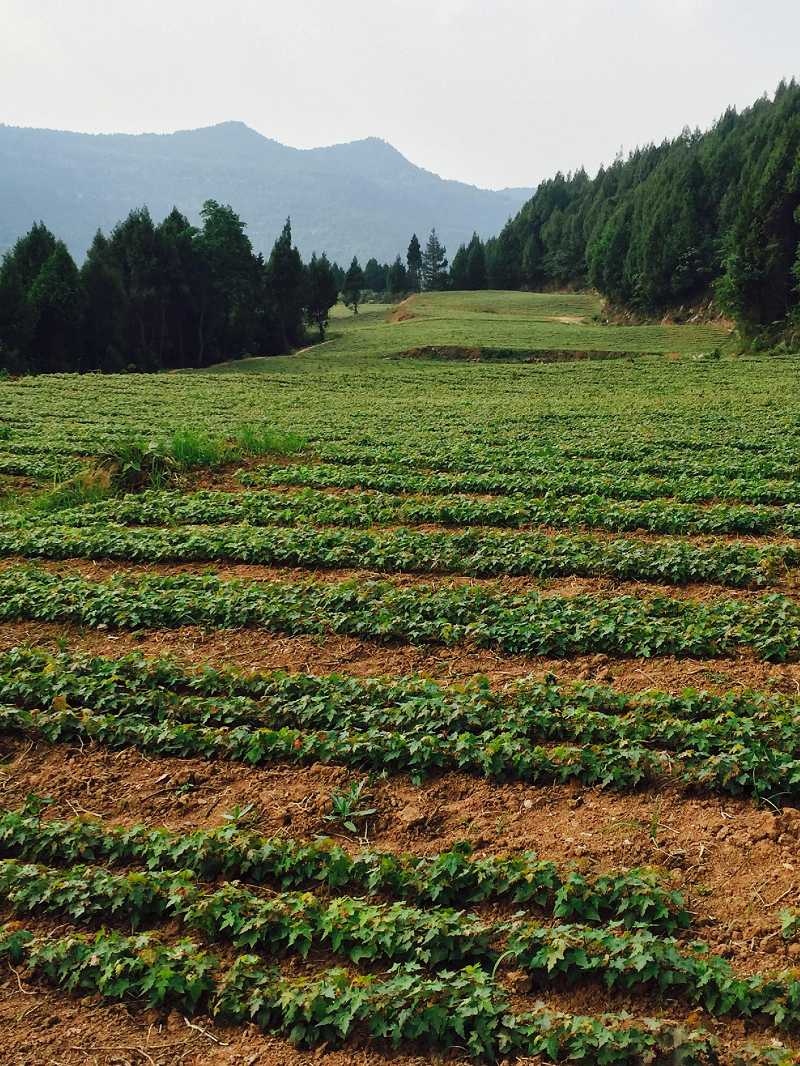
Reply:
x=434, y=264
x=286, y=287
x=397, y=278
x=353, y=284
x=414, y=260
x=58, y=300
x=321, y=292
x=375, y=276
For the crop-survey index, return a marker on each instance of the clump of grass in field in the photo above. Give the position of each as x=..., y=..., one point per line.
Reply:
x=87, y=486
x=190, y=448
x=263, y=440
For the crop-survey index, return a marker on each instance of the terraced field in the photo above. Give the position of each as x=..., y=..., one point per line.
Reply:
x=371, y=710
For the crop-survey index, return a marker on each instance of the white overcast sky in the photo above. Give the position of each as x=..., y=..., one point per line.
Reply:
x=492, y=92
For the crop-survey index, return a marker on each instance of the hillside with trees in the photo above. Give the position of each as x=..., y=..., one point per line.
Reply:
x=713, y=213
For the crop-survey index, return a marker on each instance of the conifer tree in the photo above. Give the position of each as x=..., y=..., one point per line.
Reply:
x=353, y=284
x=414, y=260
x=434, y=264
x=397, y=278
x=321, y=292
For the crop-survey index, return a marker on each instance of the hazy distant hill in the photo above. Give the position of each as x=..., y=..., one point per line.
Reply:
x=362, y=198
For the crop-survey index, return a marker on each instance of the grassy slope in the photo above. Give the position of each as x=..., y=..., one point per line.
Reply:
x=522, y=321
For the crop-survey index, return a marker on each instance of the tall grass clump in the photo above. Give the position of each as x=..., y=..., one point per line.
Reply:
x=264, y=440
x=191, y=448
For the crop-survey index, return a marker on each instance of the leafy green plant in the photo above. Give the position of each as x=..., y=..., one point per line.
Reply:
x=346, y=805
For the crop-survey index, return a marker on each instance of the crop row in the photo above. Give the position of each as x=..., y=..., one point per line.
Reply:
x=512, y=456
x=737, y=767
x=477, y=554
x=529, y=623
x=608, y=486
x=636, y=898
x=363, y=931
x=366, y=509
x=691, y=733
x=165, y=687
x=457, y=1008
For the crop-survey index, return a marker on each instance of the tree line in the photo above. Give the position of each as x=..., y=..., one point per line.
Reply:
x=152, y=297
x=715, y=212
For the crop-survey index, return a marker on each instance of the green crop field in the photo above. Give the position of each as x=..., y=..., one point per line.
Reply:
x=411, y=709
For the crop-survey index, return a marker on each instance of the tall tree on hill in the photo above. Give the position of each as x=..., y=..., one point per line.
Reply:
x=353, y=284
x=286, y=287
x=504, y=260
x=434, y=264
x=375, y=275
x=133, y=248
x=397, y=278
x=759, y=285
x=414, y=260
x=181, y=271
x=468, y=270
x=233, y=280
x=19, y=269
x=58, y=300
x=476, y=263
x=321, y=292
x=104, y=334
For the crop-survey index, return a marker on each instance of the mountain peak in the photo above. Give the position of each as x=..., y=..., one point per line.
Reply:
x=363, y=198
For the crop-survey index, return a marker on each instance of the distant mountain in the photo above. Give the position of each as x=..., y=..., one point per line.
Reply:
x=362, y=198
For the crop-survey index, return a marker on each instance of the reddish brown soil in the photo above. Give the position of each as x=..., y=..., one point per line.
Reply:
x=736, y=865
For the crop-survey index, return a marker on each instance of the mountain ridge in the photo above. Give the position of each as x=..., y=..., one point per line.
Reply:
x=359, y=198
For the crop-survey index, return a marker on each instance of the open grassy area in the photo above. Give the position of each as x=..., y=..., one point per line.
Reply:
x=509, y=321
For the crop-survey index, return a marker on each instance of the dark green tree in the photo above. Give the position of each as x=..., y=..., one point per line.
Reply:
x=321, y=292
x=353, y=284
x=232, y=283
x=104, y=330
x=397, y=278
x=375, y=275
x=58, y=300
x=414, y=260
x=285, y=278
x=434, y=264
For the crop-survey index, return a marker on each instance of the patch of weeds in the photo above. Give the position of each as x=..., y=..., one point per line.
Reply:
x=702, y=889
x=192, y=448
x=264, y=440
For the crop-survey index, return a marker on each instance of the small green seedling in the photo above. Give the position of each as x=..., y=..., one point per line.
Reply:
x=345, y=805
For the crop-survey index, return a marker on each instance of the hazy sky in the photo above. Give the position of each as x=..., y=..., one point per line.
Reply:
x=493, y=92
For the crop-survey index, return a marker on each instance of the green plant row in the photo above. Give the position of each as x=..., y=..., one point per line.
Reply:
x=528, y=623
x=473, y=553
x=608, y=486
x=633, y=958
x=363, y=931
x=760, y=770
x=365, y=509
x=700, y=732
x=514, y=456
x=288, y=921
x=161, y=687
x=45, y=467
x=636, y=899
x=455, y=1009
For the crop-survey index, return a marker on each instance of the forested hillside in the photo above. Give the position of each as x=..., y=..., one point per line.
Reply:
x=362, y=198
x=715, y=211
